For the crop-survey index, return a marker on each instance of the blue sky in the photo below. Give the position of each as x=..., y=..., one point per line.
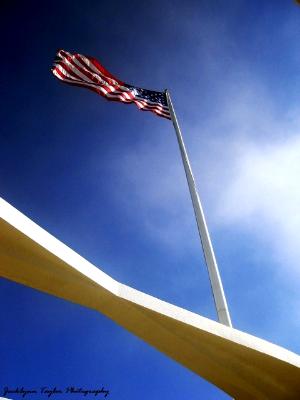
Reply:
x=107, y=180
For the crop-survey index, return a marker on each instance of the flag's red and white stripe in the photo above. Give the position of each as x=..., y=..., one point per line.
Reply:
x=76, y=69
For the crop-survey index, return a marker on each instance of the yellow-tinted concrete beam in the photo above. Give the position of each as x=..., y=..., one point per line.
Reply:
x=240, y=364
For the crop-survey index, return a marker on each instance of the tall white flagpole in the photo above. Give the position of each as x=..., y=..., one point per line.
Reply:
x=213, y=271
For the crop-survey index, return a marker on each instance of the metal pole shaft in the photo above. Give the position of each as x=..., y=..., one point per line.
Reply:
x=213, y=271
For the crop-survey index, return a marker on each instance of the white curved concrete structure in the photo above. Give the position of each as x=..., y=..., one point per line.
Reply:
x=240, y=364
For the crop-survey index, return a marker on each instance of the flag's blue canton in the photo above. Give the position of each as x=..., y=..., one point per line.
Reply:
x=150, y=95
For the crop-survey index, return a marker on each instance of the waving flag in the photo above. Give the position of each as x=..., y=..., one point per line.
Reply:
x=84, y=71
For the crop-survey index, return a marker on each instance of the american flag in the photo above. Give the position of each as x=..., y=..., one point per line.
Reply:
x=77, y=69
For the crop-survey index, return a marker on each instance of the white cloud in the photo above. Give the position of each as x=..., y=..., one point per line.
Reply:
x=263, y=194
x=255, y=174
